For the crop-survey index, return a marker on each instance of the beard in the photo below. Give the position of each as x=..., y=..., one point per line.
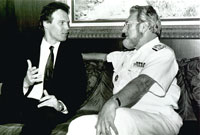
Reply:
x=132, y=42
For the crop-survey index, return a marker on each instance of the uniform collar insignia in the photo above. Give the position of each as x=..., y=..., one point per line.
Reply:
x=158, y=47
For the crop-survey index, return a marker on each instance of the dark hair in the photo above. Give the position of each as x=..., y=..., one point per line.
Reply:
x=48, y=10
x=148, y=14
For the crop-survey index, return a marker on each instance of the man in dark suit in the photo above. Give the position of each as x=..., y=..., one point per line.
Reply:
x=48, y=83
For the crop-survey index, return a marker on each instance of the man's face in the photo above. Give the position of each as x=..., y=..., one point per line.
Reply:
x=57, y=30
x=132, y=33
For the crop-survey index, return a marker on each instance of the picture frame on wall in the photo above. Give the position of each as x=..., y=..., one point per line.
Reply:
x=109, y=15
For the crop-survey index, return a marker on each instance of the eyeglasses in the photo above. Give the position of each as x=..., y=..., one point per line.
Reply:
x=129, y=23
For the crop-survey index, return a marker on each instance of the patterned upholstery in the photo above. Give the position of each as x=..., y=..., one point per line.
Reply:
x=188, y=79
x=10, y=129
x=99, y=85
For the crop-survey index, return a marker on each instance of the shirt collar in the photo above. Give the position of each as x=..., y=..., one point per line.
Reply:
x=45, y=44
x=150, y=44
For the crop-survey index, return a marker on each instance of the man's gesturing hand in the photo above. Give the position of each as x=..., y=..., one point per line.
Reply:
x=49, y=100
x=32, y=75
x=106, y=119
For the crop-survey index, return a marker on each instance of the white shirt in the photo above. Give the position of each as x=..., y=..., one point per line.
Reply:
x=37, y=90
x=155, y=60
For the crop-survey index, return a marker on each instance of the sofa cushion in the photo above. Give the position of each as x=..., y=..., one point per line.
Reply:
x=93, y=74
x=196, y=95
x=99, y=86
x=15, y=129
x=188, y=80
x=10, y=129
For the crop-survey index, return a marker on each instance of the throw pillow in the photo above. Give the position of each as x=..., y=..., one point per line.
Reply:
x=188, y=71
x=99, y=87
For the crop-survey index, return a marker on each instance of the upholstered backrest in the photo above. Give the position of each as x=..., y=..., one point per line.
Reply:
x=189, y=80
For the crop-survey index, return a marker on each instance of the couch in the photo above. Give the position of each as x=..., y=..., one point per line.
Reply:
x=99, y=89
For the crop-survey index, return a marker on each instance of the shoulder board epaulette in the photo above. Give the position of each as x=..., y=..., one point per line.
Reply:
x=158, y=47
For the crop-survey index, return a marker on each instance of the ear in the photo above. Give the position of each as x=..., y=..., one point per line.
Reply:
x=144, y=27
x=45, y=24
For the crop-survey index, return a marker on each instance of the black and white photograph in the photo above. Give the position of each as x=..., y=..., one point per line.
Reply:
x=99, y=67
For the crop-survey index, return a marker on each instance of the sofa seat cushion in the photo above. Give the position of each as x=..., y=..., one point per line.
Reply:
x=10, y=129
x=61, y=129
x=15, y=129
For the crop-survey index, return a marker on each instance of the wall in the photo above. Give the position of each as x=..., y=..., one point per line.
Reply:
x=184, y=48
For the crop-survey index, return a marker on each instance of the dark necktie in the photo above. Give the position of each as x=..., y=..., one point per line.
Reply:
x=48, y=74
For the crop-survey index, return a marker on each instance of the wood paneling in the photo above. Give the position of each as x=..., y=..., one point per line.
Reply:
x=20, y=14
x=28, y=12
x=7, y=17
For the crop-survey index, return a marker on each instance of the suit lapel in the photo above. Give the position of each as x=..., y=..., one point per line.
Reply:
x=57, y=60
